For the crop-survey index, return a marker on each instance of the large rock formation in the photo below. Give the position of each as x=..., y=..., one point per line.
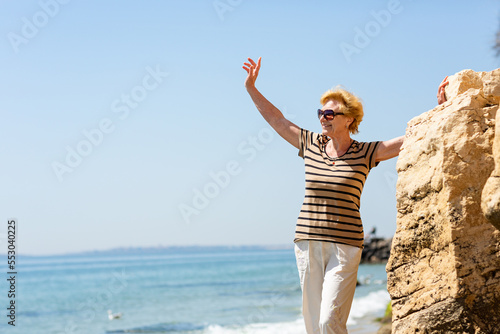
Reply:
x=491, y=191
x=444, y=269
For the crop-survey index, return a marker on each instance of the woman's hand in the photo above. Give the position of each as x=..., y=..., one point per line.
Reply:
x=286, y=129
x=441, y=96
x=253, y=71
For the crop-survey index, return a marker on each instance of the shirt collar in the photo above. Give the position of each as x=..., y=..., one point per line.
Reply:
x=323, y=140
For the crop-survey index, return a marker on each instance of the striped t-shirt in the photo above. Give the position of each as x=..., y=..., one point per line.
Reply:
x=330, y=211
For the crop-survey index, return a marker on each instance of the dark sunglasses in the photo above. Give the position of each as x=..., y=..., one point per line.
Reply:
x=328, y=114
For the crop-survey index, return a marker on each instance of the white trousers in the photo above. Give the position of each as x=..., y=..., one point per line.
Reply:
x=328, y=274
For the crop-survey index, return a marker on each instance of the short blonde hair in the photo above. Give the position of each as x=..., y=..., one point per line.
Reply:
x=351, y=105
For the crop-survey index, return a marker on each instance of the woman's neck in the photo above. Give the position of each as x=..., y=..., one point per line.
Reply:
x=338, y=146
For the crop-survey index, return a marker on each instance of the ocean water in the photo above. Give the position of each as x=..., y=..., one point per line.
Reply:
x=222, y=291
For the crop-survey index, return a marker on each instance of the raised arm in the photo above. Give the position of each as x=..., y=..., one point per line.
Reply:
x=286, y=129
x=389, y=149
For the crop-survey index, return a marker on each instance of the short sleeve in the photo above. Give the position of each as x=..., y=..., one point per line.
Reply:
x=305, y=140
x=372, y=148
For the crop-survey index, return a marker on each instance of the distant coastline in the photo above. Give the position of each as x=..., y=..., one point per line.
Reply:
x=376, y=250
x=162, y=250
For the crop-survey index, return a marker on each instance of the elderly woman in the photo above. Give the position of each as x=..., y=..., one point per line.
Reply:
x=329, y=232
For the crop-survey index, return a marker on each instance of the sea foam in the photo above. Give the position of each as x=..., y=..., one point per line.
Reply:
x=292, y=327
x=370, y=306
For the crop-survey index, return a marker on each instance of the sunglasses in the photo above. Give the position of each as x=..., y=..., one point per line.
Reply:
x=328, y=114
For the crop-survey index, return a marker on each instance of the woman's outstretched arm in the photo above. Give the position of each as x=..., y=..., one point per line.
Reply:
x=286, y=129
x=389, y=149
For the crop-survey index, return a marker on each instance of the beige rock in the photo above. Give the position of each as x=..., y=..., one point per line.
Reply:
x=489, y=85
x=491, y=192
x=444, y=269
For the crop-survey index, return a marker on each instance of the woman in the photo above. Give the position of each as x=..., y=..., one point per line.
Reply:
x=329, y=232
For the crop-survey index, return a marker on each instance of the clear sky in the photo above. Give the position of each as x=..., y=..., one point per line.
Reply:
x=126, y=123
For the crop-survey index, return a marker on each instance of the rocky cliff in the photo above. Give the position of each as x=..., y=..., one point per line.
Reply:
x=444, y=268
x=490, y=201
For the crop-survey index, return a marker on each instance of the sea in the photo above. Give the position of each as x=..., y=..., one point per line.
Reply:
x=220, y=290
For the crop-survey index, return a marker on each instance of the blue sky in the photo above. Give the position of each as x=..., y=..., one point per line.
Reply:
x=126, y=123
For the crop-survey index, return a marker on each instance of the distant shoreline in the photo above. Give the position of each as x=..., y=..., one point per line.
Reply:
x=380, y=246
x=163, y=250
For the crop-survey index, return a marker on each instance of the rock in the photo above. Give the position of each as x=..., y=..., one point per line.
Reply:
x=385, y=329
x=376, y=250
x=488, y=83
x=490, y=203
x=444, y=269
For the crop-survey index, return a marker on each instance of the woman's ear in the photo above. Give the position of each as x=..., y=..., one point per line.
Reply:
x=350, y=120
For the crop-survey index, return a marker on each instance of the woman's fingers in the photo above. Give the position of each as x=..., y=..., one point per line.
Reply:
x=441, y=95
x=444, y=82
x=258, y=65
x=253, y=63
x=252, y=69
x=252, y=66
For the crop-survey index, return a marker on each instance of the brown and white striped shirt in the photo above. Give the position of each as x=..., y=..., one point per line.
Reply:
x=330, y=211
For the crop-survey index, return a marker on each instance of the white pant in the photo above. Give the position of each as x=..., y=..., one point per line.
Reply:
x=328, y=275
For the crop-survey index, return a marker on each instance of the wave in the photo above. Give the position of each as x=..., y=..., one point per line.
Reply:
x=363, y=309
x=292, y=327
x=373, y=304
x=162, y=328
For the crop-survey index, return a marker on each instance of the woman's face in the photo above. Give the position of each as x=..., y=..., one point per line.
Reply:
x=335, y=126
